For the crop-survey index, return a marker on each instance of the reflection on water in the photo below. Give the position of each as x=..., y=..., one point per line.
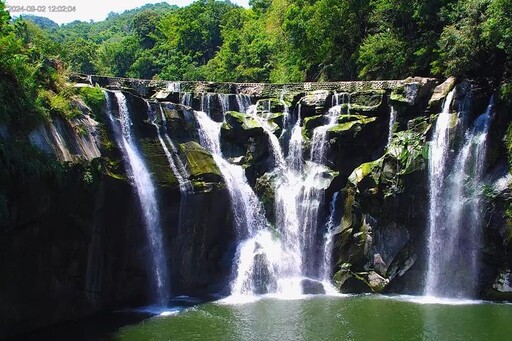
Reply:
x=330, y=318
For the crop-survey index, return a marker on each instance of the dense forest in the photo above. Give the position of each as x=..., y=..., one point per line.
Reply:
x=280, y=40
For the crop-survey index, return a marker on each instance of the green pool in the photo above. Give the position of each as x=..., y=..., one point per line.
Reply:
x=367, y=317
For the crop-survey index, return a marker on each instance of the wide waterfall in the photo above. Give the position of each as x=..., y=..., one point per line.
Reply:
x=456, y=210
x=279, y=260
x=145, y=189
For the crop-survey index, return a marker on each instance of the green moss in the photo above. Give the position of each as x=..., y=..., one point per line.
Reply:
x=398, y=95
x=352, y=126
x=366, y=100
x=312, y=122
x=420, y=124
x=341, y=276
x=505, y=92
x=366, y=169
x=236, y=119
x=410, y=150
x=157, y=162
x=201, y=167
x=58, y=103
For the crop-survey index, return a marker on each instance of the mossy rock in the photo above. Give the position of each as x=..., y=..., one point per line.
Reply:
x=440, y=93
x=310, y=123
x=350, y=118
x=420, y=125
x=410, y=150
x=157, y=162
x=94, y=98
x=367, y=175
x=366, y=101
x=277, y=118
x=501, y=288
x=406, y=94
x=178, y=125
x=402, y=262
x=242, y=124
x=266, y=105
x=265, y=188
x=357, y=282
x=315, y=98
x=201, y=167
x=350, y=128
x=342, y=275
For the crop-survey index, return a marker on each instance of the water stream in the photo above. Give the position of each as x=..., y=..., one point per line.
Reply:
x=456, y=210
x=145, y=189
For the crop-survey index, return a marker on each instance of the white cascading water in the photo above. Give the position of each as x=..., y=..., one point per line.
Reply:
x=224, y=102
x=392, y=121
x=298, y=196
x=269, y=261
x=145, y=189
x=456, y=225
x=330, y=227
x=175, y=163
x=205, y=102
x=243, y=102
x=274, y=141
x=186, y=98
x=438, y=154
x=257, y=251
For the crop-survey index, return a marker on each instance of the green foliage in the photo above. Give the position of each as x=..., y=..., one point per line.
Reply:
x=281, y=40
x=382, y=55
x=245, y=54
x=94, y=98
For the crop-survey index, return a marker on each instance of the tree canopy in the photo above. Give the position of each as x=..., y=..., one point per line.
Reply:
x=291, y=40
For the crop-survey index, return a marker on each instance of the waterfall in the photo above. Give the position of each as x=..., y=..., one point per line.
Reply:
x=256, y=252
x=456, y=209
x=175, y=163
x=325, y=268
x=392, y=121
x=186, y=99
x=277, y=261
x=243, y=102
x=274, y=142
x=145, y=189
x=438, y=153
x=319, y=141
x=174, y=86
x=224, y=102
x=205, y=102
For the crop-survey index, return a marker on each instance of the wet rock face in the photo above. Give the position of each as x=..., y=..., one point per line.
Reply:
x=75, y=251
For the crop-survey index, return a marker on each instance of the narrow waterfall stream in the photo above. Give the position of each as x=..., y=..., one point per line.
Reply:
x=145, y=189
x=175, y=163
x=392, y=120
x=456, y=210
x=325, y=268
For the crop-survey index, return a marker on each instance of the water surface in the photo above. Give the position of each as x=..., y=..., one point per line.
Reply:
x=330, y=318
